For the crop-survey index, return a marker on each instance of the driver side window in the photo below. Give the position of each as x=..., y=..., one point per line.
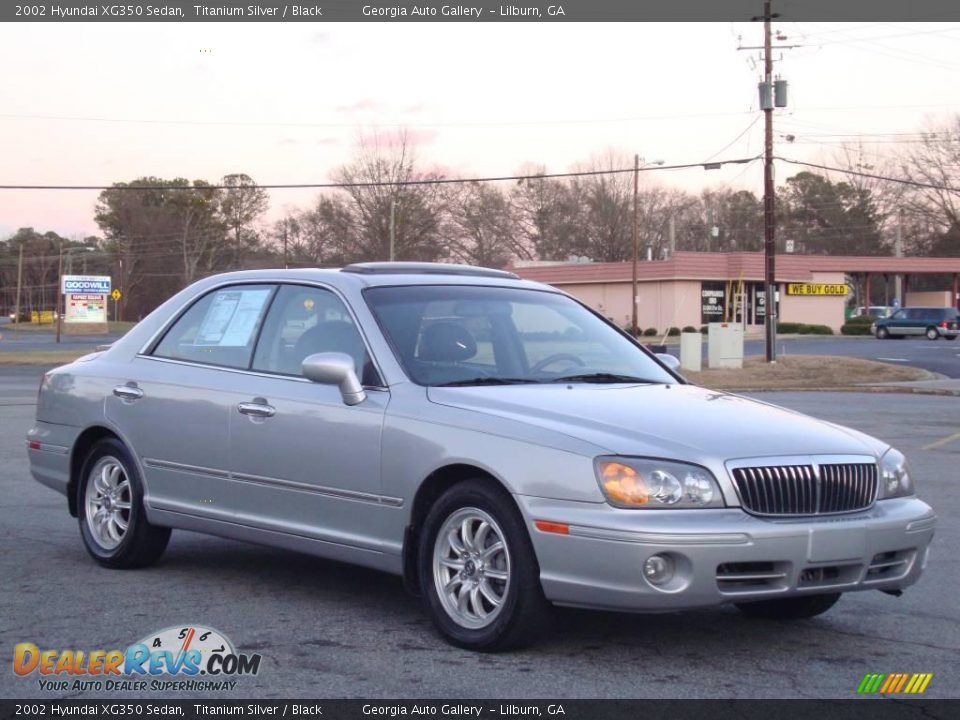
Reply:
x=304, y=320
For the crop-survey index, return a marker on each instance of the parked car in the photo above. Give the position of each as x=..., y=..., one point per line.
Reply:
x=877, y=311
x=495, y=442
x=934, y=322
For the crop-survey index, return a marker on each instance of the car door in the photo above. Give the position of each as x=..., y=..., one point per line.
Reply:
x=898, y=324
x=302, y=461
x=173, y=407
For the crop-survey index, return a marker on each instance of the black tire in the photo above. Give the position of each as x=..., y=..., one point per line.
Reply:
x=932, y=333
x=882, y=333
x=949, y=337
x=792, y=608
x=525, y=613
x=141, y=544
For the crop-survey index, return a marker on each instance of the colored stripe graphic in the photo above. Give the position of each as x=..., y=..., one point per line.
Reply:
x=894, y=683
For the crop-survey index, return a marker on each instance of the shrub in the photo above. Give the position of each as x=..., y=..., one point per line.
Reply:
x=650, y=332
x=689, y=328
x=789, y=328
x=673, y=332
x=704, y=329
x=819, y=330
x=861, y=320
x=855, y=328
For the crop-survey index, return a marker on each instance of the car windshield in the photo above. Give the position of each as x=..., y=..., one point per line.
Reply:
x=450, y=335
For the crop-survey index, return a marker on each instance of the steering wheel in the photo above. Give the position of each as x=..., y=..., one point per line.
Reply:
x=557, y=357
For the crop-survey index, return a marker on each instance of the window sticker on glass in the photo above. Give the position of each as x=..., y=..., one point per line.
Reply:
x=232, y=318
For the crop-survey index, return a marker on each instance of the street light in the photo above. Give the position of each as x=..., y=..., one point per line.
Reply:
x=636, y=233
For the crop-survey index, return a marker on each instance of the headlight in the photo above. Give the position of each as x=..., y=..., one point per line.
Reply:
x=895, y=480
x=640, y=483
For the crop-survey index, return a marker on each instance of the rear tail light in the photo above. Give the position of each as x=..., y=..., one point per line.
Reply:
x=944, y=324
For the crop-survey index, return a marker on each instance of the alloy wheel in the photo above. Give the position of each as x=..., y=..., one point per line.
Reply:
x=108, y=502
x=471, y=567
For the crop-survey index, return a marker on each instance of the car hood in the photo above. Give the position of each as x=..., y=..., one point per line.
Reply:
x=680, y=421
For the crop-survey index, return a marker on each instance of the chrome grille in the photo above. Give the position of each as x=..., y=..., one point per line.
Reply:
x=806, y=489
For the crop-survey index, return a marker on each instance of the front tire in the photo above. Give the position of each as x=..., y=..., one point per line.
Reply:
x=793, y=608
x=479, y=576
x=113, y=523
x=882, y=333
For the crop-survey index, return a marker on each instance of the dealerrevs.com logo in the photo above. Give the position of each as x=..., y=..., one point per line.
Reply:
x=190, y=658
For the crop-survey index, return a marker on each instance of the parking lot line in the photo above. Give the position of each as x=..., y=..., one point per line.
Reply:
x=942, y=441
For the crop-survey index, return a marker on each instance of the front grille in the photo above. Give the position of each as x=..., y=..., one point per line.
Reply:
x=806, y=489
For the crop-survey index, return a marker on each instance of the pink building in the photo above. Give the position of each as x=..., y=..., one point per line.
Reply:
x=694, y=288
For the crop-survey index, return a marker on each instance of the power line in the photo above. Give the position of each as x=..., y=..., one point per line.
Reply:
x=398, y=183
x=874, y=176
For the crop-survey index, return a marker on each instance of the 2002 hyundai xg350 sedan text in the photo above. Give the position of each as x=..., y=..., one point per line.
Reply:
x=494, y=441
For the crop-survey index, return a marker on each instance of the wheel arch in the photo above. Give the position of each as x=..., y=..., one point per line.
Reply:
x=432, y=487
x=81, y=449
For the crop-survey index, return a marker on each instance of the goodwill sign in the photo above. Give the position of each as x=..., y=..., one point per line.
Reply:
x=89, y=284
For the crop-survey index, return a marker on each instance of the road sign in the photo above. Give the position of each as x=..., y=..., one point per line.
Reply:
x=116, y=294
x=89, y=284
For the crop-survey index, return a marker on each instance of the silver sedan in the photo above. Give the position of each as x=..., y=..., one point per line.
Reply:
x=492, y=440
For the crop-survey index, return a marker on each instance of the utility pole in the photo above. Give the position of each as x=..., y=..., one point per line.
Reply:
x=769, y=227
x=636, y=239
x=898, y=252
x=16, y=317
x=59, y=290
x=285, y=223
x=116, y=307
x=673, y=235
x=393, y=229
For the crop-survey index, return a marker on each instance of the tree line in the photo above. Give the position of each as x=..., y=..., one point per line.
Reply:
x=392, y=204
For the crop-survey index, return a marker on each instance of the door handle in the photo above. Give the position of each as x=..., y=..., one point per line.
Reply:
x=256, y=410
x=128, y=392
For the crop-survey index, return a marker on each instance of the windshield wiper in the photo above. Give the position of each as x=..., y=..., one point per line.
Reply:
x=603, y=377
x=486, y=381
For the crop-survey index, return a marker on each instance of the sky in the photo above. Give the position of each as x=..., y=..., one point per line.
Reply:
x=97, y=103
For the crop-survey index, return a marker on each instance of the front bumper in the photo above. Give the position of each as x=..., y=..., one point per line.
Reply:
x=723, y=555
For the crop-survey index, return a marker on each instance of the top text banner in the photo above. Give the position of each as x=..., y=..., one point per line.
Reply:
x=89, y=284
x=399, y=11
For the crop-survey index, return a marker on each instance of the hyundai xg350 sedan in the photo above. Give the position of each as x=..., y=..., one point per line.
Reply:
x=494, y=441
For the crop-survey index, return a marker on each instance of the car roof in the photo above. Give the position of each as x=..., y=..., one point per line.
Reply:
x=379, y=274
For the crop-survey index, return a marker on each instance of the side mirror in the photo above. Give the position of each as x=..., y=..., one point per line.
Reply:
x=335, y=368
x=670, y=361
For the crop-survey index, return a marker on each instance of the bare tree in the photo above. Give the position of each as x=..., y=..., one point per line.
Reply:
x=379, y=185
x=606, y=207
x=546, y=215
x=479, y=228
x=241, y=204
x=935, y=163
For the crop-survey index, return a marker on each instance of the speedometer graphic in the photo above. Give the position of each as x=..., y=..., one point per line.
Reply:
x=180, y=640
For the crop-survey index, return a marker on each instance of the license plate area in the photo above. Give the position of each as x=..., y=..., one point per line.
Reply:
x=837, y=543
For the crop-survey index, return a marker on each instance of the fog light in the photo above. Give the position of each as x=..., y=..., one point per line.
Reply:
x=658, y=569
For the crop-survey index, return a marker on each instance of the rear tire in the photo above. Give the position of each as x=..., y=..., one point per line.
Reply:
x=113, y=523
x=949, y=337
x=882, y=333
x=793, y=608
x=932, y=334
x=476, y=545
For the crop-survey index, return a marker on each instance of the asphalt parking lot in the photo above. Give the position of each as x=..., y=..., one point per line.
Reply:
x=328, y=630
